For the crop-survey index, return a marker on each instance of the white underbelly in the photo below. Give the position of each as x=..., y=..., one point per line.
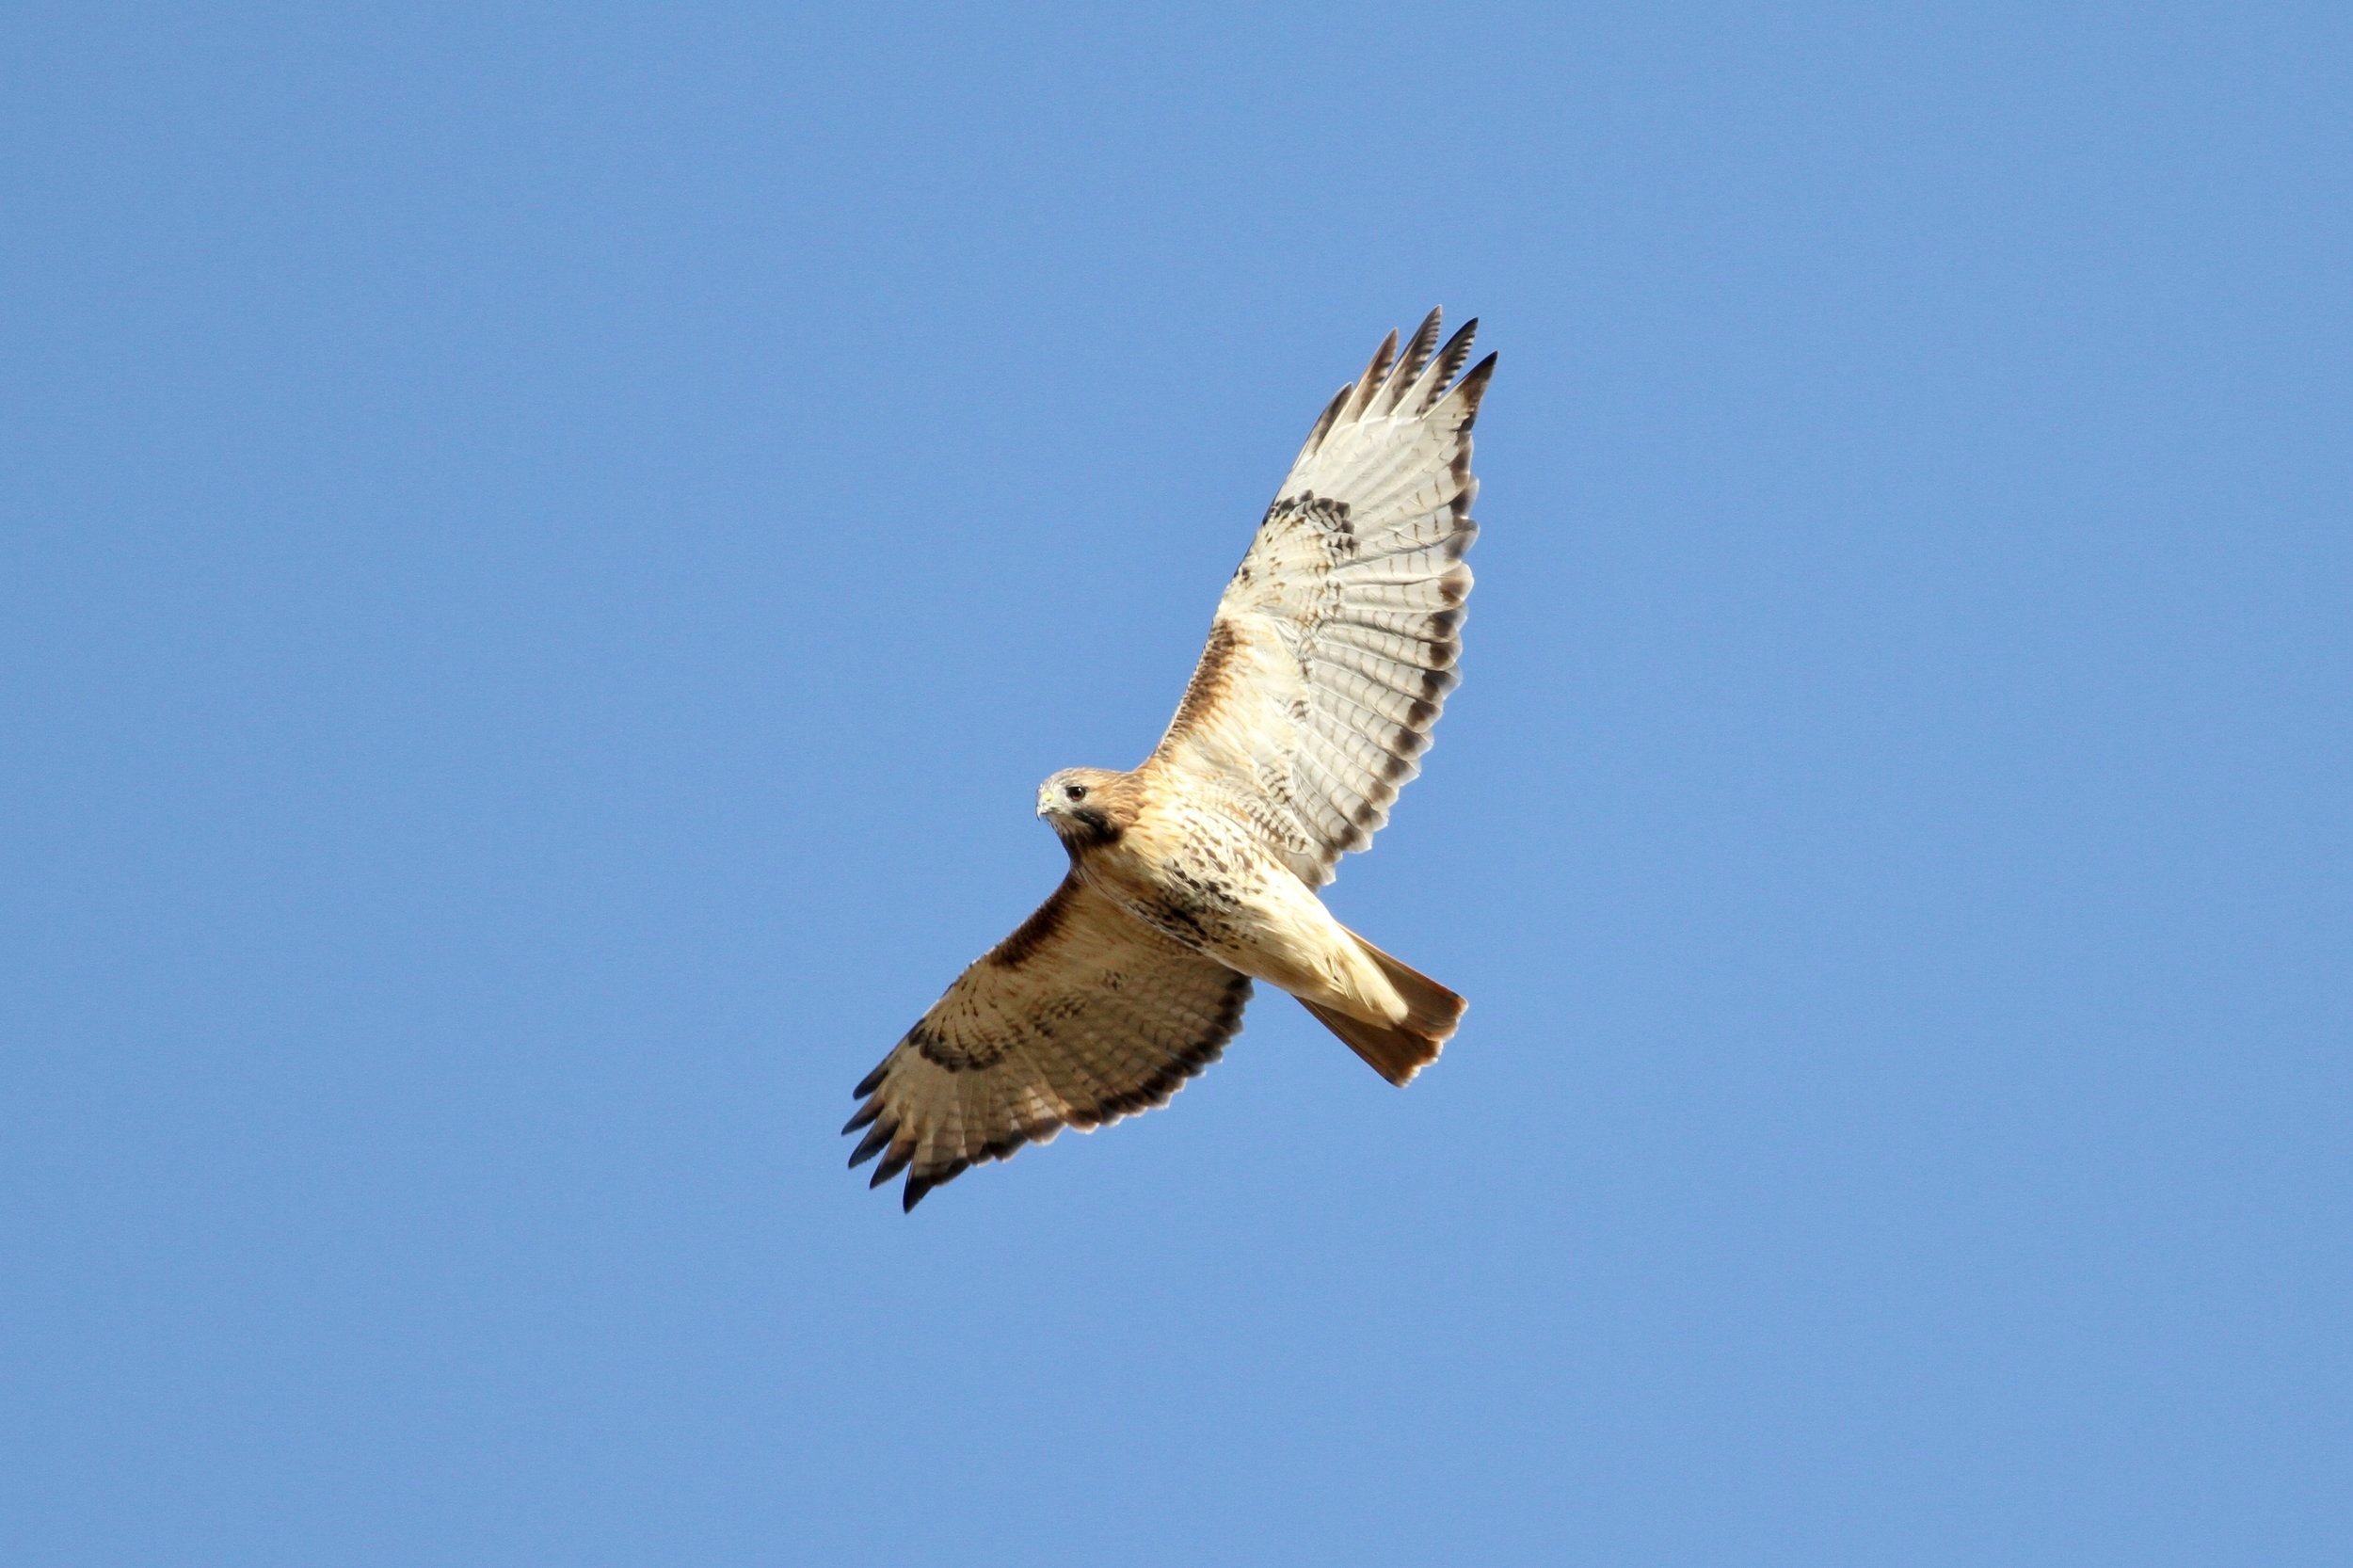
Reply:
x=1203, y=879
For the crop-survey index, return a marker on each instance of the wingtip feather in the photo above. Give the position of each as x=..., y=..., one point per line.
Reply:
x=1473, y=387
x=901, y=1156
x=1449, y=362
x=1361, y=395
x=1410, y=363
x=1324, y=421
x=872, y=1143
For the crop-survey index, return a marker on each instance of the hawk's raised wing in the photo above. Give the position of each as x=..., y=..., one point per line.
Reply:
x=1080, y=1017
x=1334, y=644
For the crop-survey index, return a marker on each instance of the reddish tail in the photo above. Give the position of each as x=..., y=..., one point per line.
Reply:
x=1398, y=1052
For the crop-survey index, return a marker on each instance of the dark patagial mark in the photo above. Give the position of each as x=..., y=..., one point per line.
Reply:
x=1211, y=679
x=1036, y=932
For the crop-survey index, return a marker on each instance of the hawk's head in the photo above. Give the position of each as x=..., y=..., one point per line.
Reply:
x=1087, y=806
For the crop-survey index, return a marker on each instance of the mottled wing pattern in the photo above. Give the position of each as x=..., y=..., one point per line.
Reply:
x=1334, y=644
x=1080, y=1017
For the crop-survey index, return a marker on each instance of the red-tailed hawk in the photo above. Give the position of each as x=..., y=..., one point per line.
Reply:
x=1332, y=651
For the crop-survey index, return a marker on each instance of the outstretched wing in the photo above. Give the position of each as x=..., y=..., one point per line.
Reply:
x=1334, y=644
x=1080, y=1017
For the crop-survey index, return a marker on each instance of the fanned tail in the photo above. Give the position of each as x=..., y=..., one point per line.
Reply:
x=1398, y=1052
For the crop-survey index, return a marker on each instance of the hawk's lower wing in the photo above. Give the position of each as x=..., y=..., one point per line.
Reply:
x=1080, y=1017
x=1334, y=644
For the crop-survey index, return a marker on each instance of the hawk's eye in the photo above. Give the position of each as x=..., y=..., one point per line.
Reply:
x=1075, y=792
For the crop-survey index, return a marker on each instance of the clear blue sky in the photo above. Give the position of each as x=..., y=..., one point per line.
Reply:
x=547, y=549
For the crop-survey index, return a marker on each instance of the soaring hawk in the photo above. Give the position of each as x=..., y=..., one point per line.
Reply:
x=1329, y=658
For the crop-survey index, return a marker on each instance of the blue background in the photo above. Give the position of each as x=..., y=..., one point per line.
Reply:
x=547, y=551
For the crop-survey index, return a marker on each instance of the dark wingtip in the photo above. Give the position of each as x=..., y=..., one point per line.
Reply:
x=899, y=1158
x=1367, y=387
x=866, y=1113
x=1331, y=412
x=1417, y=356
x=872, y=1144
x=920, y=1182
x=1451, y=361
x=873, y=1081
x=1474, y=387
